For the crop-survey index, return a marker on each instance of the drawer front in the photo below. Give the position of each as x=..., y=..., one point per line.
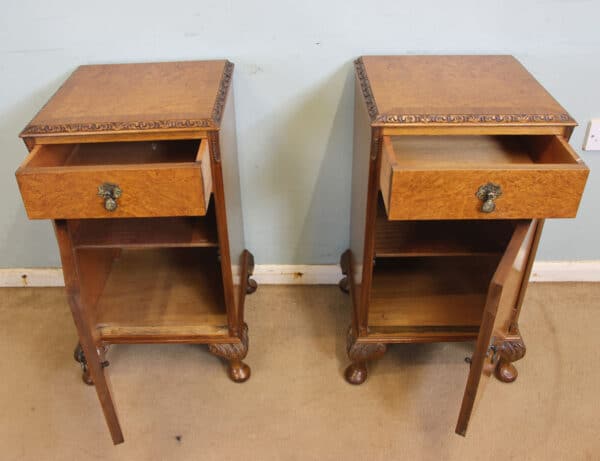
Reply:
x=519, y=191
x=452, y=194
x=145, y=190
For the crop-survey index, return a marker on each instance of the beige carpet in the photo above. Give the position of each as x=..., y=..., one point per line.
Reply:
x=176, y=402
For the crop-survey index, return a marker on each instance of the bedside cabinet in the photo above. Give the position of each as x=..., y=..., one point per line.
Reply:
x=457, y=162
x=136, y=164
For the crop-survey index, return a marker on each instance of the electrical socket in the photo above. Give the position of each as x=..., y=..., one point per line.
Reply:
x=592, y=136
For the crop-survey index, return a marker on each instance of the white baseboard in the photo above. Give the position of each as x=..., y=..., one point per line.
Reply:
x=565, y=271
x=32, y=277
x=279, y=274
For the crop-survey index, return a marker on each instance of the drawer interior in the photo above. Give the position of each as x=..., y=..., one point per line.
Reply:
x=116, y=153
x=470, y=151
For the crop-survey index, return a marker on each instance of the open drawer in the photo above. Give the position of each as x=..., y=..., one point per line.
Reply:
x=480, y=177
x=116, y=180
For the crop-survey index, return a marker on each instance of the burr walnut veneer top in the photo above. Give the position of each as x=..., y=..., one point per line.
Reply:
x=455, y=90
x=162, y=96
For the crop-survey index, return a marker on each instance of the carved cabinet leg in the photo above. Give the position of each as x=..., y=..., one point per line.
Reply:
x=344, y=283
x=509, y=351
x=79, y=356
x=234, y=352
x=359, y=354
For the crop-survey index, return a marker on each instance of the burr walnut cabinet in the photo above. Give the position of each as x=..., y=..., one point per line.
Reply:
x=457, y=162
x=136, y=164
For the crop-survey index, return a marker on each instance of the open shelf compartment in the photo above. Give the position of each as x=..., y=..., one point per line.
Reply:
x=187, y=231
x=159, y=294
x=434, y=298
x=439, y=238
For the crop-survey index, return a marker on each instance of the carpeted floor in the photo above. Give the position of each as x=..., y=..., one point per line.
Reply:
x=176, y=402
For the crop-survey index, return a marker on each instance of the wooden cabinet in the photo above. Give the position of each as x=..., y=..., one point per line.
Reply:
x=457, y=161
x=136, y=164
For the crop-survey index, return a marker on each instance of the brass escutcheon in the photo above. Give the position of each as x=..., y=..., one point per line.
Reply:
x=488, y=194
x=110, y=193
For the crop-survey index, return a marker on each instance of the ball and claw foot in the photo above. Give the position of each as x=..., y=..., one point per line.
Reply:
x=356, y=373
x=510, y=351
x=251, y=286
x=345, y=260
x=506, y=372
x=359, y=354
x=238, y=371
x=234, y=353
x=344, y=285
x=79, y=357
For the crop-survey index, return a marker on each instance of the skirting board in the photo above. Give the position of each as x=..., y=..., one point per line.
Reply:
x=543, y=271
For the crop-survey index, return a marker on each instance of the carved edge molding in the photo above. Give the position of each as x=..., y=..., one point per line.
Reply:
x=473, y=118
x=362, y=352
x=224, y=85
x=407, y=119
x=213, y=139
x=115, y=126
x=365, y=87
x=232, y=351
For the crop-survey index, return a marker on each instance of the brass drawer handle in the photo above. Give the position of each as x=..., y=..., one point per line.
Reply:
x=110, y=193
x=488, y=194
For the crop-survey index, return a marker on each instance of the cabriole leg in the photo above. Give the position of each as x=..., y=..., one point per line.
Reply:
x=360, y=353
x=510, y=350
x=79, y=357
x=237, y=370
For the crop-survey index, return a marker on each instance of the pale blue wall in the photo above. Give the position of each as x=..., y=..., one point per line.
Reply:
x=294, y=95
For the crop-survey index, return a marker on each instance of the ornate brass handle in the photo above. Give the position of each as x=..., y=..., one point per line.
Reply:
x=110, y=193
x=488, y=194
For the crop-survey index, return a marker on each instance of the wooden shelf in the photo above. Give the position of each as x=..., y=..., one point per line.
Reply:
x=165, y=295
x=145, y=232
x=439, y=238
x=417, y=299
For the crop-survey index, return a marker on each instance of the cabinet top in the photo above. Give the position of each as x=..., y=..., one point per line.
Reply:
x=114, y=98
x=456, y=90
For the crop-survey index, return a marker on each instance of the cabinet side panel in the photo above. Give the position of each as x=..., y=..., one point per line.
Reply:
x=233, y=199
x=360, y=186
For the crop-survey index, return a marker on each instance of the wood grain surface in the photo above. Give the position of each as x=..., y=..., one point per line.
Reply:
x=501, y=297
x=456, y=90
x=163, y=295
x=436, y=292
x=428, y=238
x=158, y=97
x=437, y=177
x=157, y=179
